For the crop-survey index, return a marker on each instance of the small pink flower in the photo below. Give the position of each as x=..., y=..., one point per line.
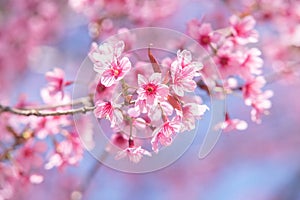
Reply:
x=56, y=82
x=191, y=112
x=232, y=124
x=109, y=111
x=183, y=70
x=134, y=154
x=253, y=88
x=260, y=105
x=184, y=59
x=251, y=63
x=101, y=91
x=243, y=29
x=164, y=134
x=142, y=11
x=31, y=155
x=67, y=152
x=116, y=72
x=127, y=36
x=227, y=60
x=151, y=90
x=50, y=125
x=203, y=33
x=107, y=62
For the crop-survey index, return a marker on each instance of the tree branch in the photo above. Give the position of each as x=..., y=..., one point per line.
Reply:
x=39, y=113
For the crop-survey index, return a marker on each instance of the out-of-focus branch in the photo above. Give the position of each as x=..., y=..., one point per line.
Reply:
x=43, y=111
x=79, y=101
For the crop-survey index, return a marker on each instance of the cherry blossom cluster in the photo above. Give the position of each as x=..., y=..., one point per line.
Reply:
x=24, y=25
x=278, y=24
x=160, y=103
x=240, y=66
x=104, y=15
x=32, y=143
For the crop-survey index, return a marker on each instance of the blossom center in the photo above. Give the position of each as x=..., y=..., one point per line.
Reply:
x=204, y=40
x=116, y=72
x=224, y=60
x=150, y=88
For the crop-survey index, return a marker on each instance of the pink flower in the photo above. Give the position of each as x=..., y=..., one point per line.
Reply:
x=260, y=105
x=253, y=88
x=142, y=11
x=227, y=60
x=232, y=124
x=116, y=72
x=50, y=125
x=203, y=33
x=191, y=112
x=243, y=29
x=127, y=36
x=134, y=154
x=251, y=63
x=30, y=155
x=183, y=70
x=164, y=134
x=54, y=98
x=107, y=62
x=108, y=111
x=151, y=90
x=67, y=152
x=56, y=82
x=255, y=97
x=101, y=92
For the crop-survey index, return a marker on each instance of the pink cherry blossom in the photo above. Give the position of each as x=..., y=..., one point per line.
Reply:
x=128, y=37
x=30, y=155
x=56, y=82
x=251, y=64
x=164, y=134
x=183, y=70
x=203, y=33
x=242, y=29
x=116, y=72
x=107, y=62
x=152, y=90
x=67, y=152
x=101, y=92
x=103, y=55
x=134, y=154
x=160, y=138
x=227, y=60
x=50, y=125
x=191, y=112
x=7, y=179
x=232, y=124
x=109, y=111
x=253, y=88
x=260, y=105
x=141, y=11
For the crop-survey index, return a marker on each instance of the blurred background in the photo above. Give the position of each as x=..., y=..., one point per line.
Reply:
x=261, y=162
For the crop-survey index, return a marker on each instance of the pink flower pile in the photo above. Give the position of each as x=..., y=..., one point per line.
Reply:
x=161, y=103
x=240, y=67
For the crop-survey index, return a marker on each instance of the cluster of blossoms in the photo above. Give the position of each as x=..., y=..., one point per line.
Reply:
x=155, y=105
x=104, y=15
x=239, y=66
x=24, y=25
x=280, y=46
x=31, y=143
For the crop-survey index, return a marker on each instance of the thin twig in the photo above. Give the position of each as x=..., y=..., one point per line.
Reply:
x=44, y=113
x=82, y=100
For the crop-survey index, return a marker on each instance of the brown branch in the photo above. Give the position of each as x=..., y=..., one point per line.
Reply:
x=44, y=113
x=80, y=101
